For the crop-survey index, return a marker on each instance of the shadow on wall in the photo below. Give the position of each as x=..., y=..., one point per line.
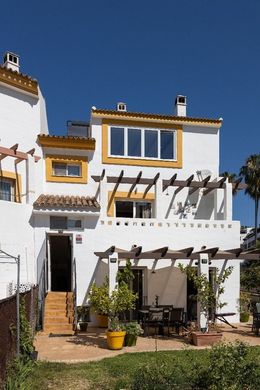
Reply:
x=32, y=101
x=169, y=284
x=98, y=277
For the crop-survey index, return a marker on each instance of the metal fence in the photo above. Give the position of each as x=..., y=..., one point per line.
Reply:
x=8, y=318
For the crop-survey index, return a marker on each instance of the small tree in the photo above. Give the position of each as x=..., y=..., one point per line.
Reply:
x=208, y=297
x=120, y=300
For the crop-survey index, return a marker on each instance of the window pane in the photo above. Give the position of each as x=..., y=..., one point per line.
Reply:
x=167, y=149
x=73, y=170
x=143, y=210
x=58, y=223
x=117, y=141
x=124, y=209
x=134, y=142
x=59, y=169
x=151, y=143
x=74, y=223
x=6, y=189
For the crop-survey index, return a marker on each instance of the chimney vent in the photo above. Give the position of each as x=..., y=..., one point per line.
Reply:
x=121, y=107
x=11, y=61
x=180, y=105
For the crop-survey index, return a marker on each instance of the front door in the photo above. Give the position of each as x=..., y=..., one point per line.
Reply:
x=60, y=262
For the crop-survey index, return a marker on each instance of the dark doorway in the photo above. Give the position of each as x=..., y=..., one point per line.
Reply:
x=136, y=285
x=60, y=259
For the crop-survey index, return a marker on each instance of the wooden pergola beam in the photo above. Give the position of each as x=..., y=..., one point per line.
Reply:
x=187, y=184
x=138, y=177
x=19, y=156
x=219, y=184
x=154, y=180
x=168, y=183
x=203, y=185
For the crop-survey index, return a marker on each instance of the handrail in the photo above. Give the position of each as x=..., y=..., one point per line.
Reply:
x=74, y=276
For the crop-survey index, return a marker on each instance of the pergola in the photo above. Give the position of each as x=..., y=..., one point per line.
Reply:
x=17, y=154
x=207, y=184
x=180, y=254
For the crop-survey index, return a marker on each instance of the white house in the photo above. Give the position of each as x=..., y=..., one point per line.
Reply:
x=125, y=185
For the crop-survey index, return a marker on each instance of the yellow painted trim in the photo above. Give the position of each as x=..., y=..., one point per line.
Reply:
x=18, y=183
x=156, y=118
x=82, y=160
x=18, y=80
x=124, y=195
x=67, y=143
x=106, y=159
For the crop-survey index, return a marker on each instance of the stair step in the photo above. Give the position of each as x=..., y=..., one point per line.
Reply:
x=58, y=328
x=56, y=320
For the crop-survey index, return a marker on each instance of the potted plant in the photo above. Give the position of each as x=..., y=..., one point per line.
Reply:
x=83, y=313
x=209, y=301
x=244, y=306
x=120, y=300
x=133, y=329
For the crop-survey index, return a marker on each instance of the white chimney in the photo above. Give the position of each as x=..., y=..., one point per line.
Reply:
x=121, y=107
x=11, y=61
x=180, y=105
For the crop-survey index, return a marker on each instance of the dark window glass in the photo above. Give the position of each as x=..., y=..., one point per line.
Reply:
x=143, y=210
x=117, y=141
x=134, y=142
x=73, y=170
x=58, y=222
x=124, y=209
x=6, y=189
x=59, y=169
x=151, y=143
x=167, y=150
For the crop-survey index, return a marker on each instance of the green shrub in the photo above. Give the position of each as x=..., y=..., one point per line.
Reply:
x=232, y=367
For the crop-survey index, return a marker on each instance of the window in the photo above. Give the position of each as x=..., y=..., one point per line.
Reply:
x=128, y=209
x=63, y=169
x=65, y=223
x=7, y=189
x=143, y=143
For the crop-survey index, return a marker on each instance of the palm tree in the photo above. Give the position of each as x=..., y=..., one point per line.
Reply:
x=232, y=178
x=251, y=173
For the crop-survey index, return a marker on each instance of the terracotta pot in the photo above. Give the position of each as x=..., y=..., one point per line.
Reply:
x=202, y=339
x=115, y=340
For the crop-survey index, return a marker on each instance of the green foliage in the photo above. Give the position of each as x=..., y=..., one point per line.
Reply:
x=119, y=301
x=18, y=372
x=82, y=313
x=126, y=274
x=231, y=367
x=133, y=328
x=244, y=302
x=207, y=296
x=250, y=276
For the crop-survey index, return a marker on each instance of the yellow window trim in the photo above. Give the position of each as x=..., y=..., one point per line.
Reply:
x=106, y=159
x=83, y=161
x=18, y=183
x=120, y=195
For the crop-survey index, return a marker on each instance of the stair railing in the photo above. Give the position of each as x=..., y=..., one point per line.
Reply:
x=42, y=289
x=74, y=281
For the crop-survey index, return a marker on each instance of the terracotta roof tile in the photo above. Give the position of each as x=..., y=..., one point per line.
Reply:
x=125, y=114
x=65, y=201
x=63, y=137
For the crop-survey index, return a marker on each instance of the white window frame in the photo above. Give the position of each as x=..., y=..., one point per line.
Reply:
x=158, y=130
x=67, y=165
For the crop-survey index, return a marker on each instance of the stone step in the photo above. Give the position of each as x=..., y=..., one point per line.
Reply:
x=59, y=329
x=57, y=320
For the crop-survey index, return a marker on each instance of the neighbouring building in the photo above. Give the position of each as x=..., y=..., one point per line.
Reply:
x=124, y=185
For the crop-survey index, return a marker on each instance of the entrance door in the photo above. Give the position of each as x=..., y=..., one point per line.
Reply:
x=60, y=262
x=137, y=286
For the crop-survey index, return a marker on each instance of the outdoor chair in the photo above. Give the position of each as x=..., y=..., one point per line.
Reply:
x=154, y=320
x=167, y=318
x=177, y=318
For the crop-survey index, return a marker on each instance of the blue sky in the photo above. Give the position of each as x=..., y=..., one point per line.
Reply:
x=144, y=53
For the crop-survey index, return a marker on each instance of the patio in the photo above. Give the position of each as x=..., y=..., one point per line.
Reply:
x=92, y=345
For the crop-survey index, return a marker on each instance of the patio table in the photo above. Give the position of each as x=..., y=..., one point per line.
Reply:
x=221, y=317
x=145, y=318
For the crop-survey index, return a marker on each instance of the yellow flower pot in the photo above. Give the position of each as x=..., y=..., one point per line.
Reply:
x=115, y=340
x=102, y=321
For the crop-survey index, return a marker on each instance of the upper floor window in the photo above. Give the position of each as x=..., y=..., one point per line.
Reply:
x=66, y=169
x=65, y=223
x=130, y=209
x=143, y=143
x=7, y=189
